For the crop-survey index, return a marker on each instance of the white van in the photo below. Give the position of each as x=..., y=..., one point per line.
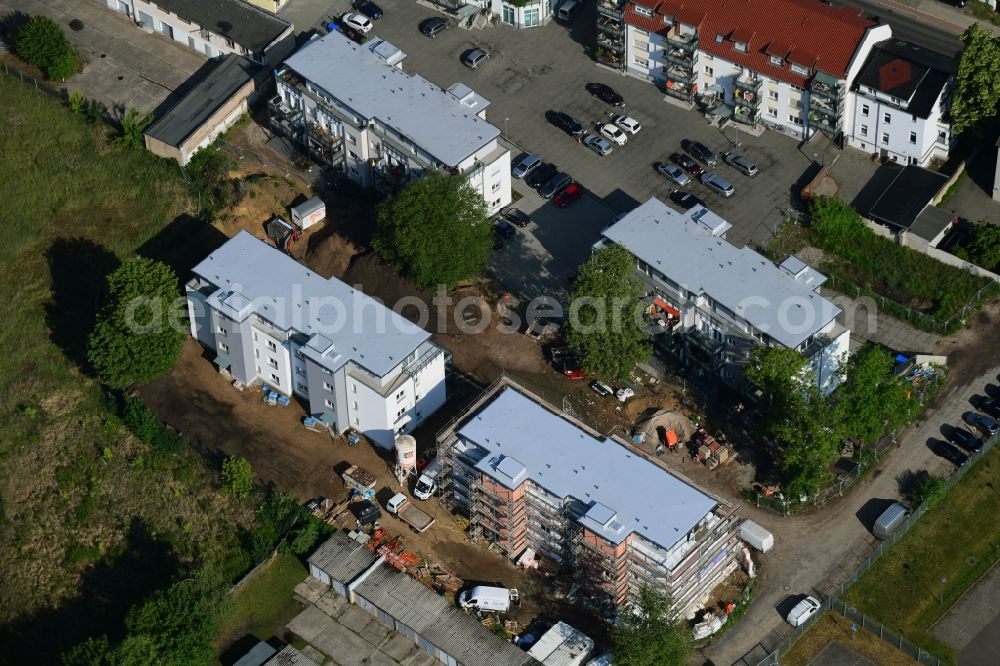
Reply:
x=427, y=482
x=889, y=521
x=803, y=610
x=567, y=10
x=496, y=599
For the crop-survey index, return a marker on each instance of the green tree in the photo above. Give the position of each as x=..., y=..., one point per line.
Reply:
x=77, y=102
x=649, y=634
x=133, y=340
x=929, y=489
x=873, y=401
x=779, y=372
x=436, y=229
x=42, y=43
x=237, y=476
x=976, y=91
x=606, y=313
x=92, y=652
x=983, y=249
x=209, y=173
x=133, y=125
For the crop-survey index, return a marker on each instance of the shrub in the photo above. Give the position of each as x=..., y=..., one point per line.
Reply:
x=133, y=125
x=237, y=476
x=929, y=489
x=42, y=43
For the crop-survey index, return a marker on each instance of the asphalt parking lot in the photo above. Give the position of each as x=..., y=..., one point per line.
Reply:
x=541, y=69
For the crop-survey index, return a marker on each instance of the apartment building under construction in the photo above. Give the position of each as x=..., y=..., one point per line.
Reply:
x=530, y=477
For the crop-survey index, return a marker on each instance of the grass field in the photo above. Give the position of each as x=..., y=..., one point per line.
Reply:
x=264, y=604
x=89, y=523
x=835, y=627
x=957, y=540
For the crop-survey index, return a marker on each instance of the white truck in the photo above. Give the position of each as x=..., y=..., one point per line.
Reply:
x=485, y=598
x=399, y=506
x=756, y=536
x=427, y=483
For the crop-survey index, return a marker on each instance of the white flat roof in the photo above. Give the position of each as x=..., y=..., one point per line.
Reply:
x=342, y=322
x=626, y=492
x=428, y=116
x=780, y=301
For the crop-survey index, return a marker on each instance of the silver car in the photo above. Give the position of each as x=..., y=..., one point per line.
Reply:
x=524, y=167
x=598, y=144
x=717, y=184
x=740, y=163
x=673, y=173
x=476, y=57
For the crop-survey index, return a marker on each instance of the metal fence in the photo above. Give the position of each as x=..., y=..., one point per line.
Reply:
x=40, y=86
x=834, y=602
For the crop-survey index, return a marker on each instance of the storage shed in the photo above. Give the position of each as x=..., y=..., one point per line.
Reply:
x=309, y=212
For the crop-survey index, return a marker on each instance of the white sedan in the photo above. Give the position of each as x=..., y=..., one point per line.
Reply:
x=614, y=133
x=630, y=125
x=358, y=22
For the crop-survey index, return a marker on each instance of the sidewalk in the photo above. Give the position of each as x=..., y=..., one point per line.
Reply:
x=937, y=13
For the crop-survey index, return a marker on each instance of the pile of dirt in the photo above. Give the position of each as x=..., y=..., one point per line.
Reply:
x=664, y=420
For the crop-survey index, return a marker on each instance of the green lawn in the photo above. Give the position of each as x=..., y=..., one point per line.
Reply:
x=957, y=540
x=835, y=627
x=264, y=604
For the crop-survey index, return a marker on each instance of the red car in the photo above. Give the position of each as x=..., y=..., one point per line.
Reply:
x=569, y=196
x=571, y=368
x=687, y=163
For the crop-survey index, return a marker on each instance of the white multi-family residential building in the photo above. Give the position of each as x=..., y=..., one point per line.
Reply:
x=356, y=363
x=784, y=64
x=714, y=302
x=901, y=103
x=352, y=106
x=214, y=28
x=531, y=14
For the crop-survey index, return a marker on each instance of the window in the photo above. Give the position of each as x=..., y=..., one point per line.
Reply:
x=532, y=17
x=864, y=130
x=886, y=118
x=794, y=119
x=777, y=61
x=271, y=346
x=496, y=186
x=641, y=62
x=272, y=362
x=864, y=110
x=220, y=330
x=942, y=136
x=328, y=403
x=350, y=139
x=773, y=112
x=274, y=378
x=224, y=347
x=709, y=70
x=355, y=404
x=913, y=137
x=399, y=396
x=508, y=14
x=354, y=388
x=772, y=94
x=740, y=46
x=402, y=410
x=326, y=371
x=230, y=43
x=256, y=353
x=644, y=11
x=302, y=387
x=327, y=386
x=299, y=354
x=885, y=137
x=191, y=43
x=800, y=70
x=300, y=371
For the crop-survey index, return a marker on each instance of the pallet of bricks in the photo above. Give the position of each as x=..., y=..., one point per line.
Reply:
x=711, y=452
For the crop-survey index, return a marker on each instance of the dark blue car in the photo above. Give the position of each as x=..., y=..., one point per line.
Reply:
x=369, y=9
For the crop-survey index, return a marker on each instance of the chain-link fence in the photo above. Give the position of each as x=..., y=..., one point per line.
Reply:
x=894, y=638
x=40, y=86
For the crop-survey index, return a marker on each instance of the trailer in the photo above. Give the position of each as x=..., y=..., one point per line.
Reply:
x=756, y=536
x=359, y=481
x=399, y=506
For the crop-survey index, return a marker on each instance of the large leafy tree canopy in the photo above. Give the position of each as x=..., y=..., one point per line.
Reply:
x=650, y=635
x=436, y=229
x=605, y=315
x=134, y=341
x=42, y=43
x=976, y=90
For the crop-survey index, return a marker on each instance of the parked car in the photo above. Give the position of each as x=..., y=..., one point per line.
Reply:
x=965, y=439
x=630, y=125
x=984, y=423
x=570, y=367
x=673, y=173
x=516, y=216
x=565, y=122
x=358, y=22
x=685, y=162
x=990, y=406
x=889, y=521
x=475, y=57
x=686, y=200
x=717, y=184
x=554, y=185
x=949, y=452
x=802, y=611
x=541, y=174
x=598, y=144
x=525, y=165
x=605, y=93
x=569, y=196
x=601, y=388
x=504, y=229
x=369, y=9
x=740, y=163
x=432, y=26
x=700, y=152
x=613, y=133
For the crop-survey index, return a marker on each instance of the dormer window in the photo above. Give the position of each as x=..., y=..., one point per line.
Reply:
x=644, y=11
x=720, y=38
x=777, y=61
x=740, y=46
x=800, y=70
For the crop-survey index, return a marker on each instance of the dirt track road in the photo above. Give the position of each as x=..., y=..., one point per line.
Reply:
x=814, y=553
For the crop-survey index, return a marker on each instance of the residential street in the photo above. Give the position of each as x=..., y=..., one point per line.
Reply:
x=814, y=553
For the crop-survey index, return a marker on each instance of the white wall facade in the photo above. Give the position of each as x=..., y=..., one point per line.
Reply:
x=532, y=15
x=880, y=126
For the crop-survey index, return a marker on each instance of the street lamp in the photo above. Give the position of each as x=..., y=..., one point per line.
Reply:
x=944, y=579
x=506, y=135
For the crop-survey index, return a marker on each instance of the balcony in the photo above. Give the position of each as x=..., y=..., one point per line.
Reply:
x=679, y=73
x=679, y=57
x=825, y=122
x=611, y=56
x=610, y=27
x=824, y=85
x=746, y=116
x=606, y=42
x=610, y=8
x=682, y=41
x=704, y=348
x=748, y=83
x=679, y=90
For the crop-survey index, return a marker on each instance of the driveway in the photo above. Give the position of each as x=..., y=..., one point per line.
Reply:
x=541, y=69
x=815, y=553
x=124, y=67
